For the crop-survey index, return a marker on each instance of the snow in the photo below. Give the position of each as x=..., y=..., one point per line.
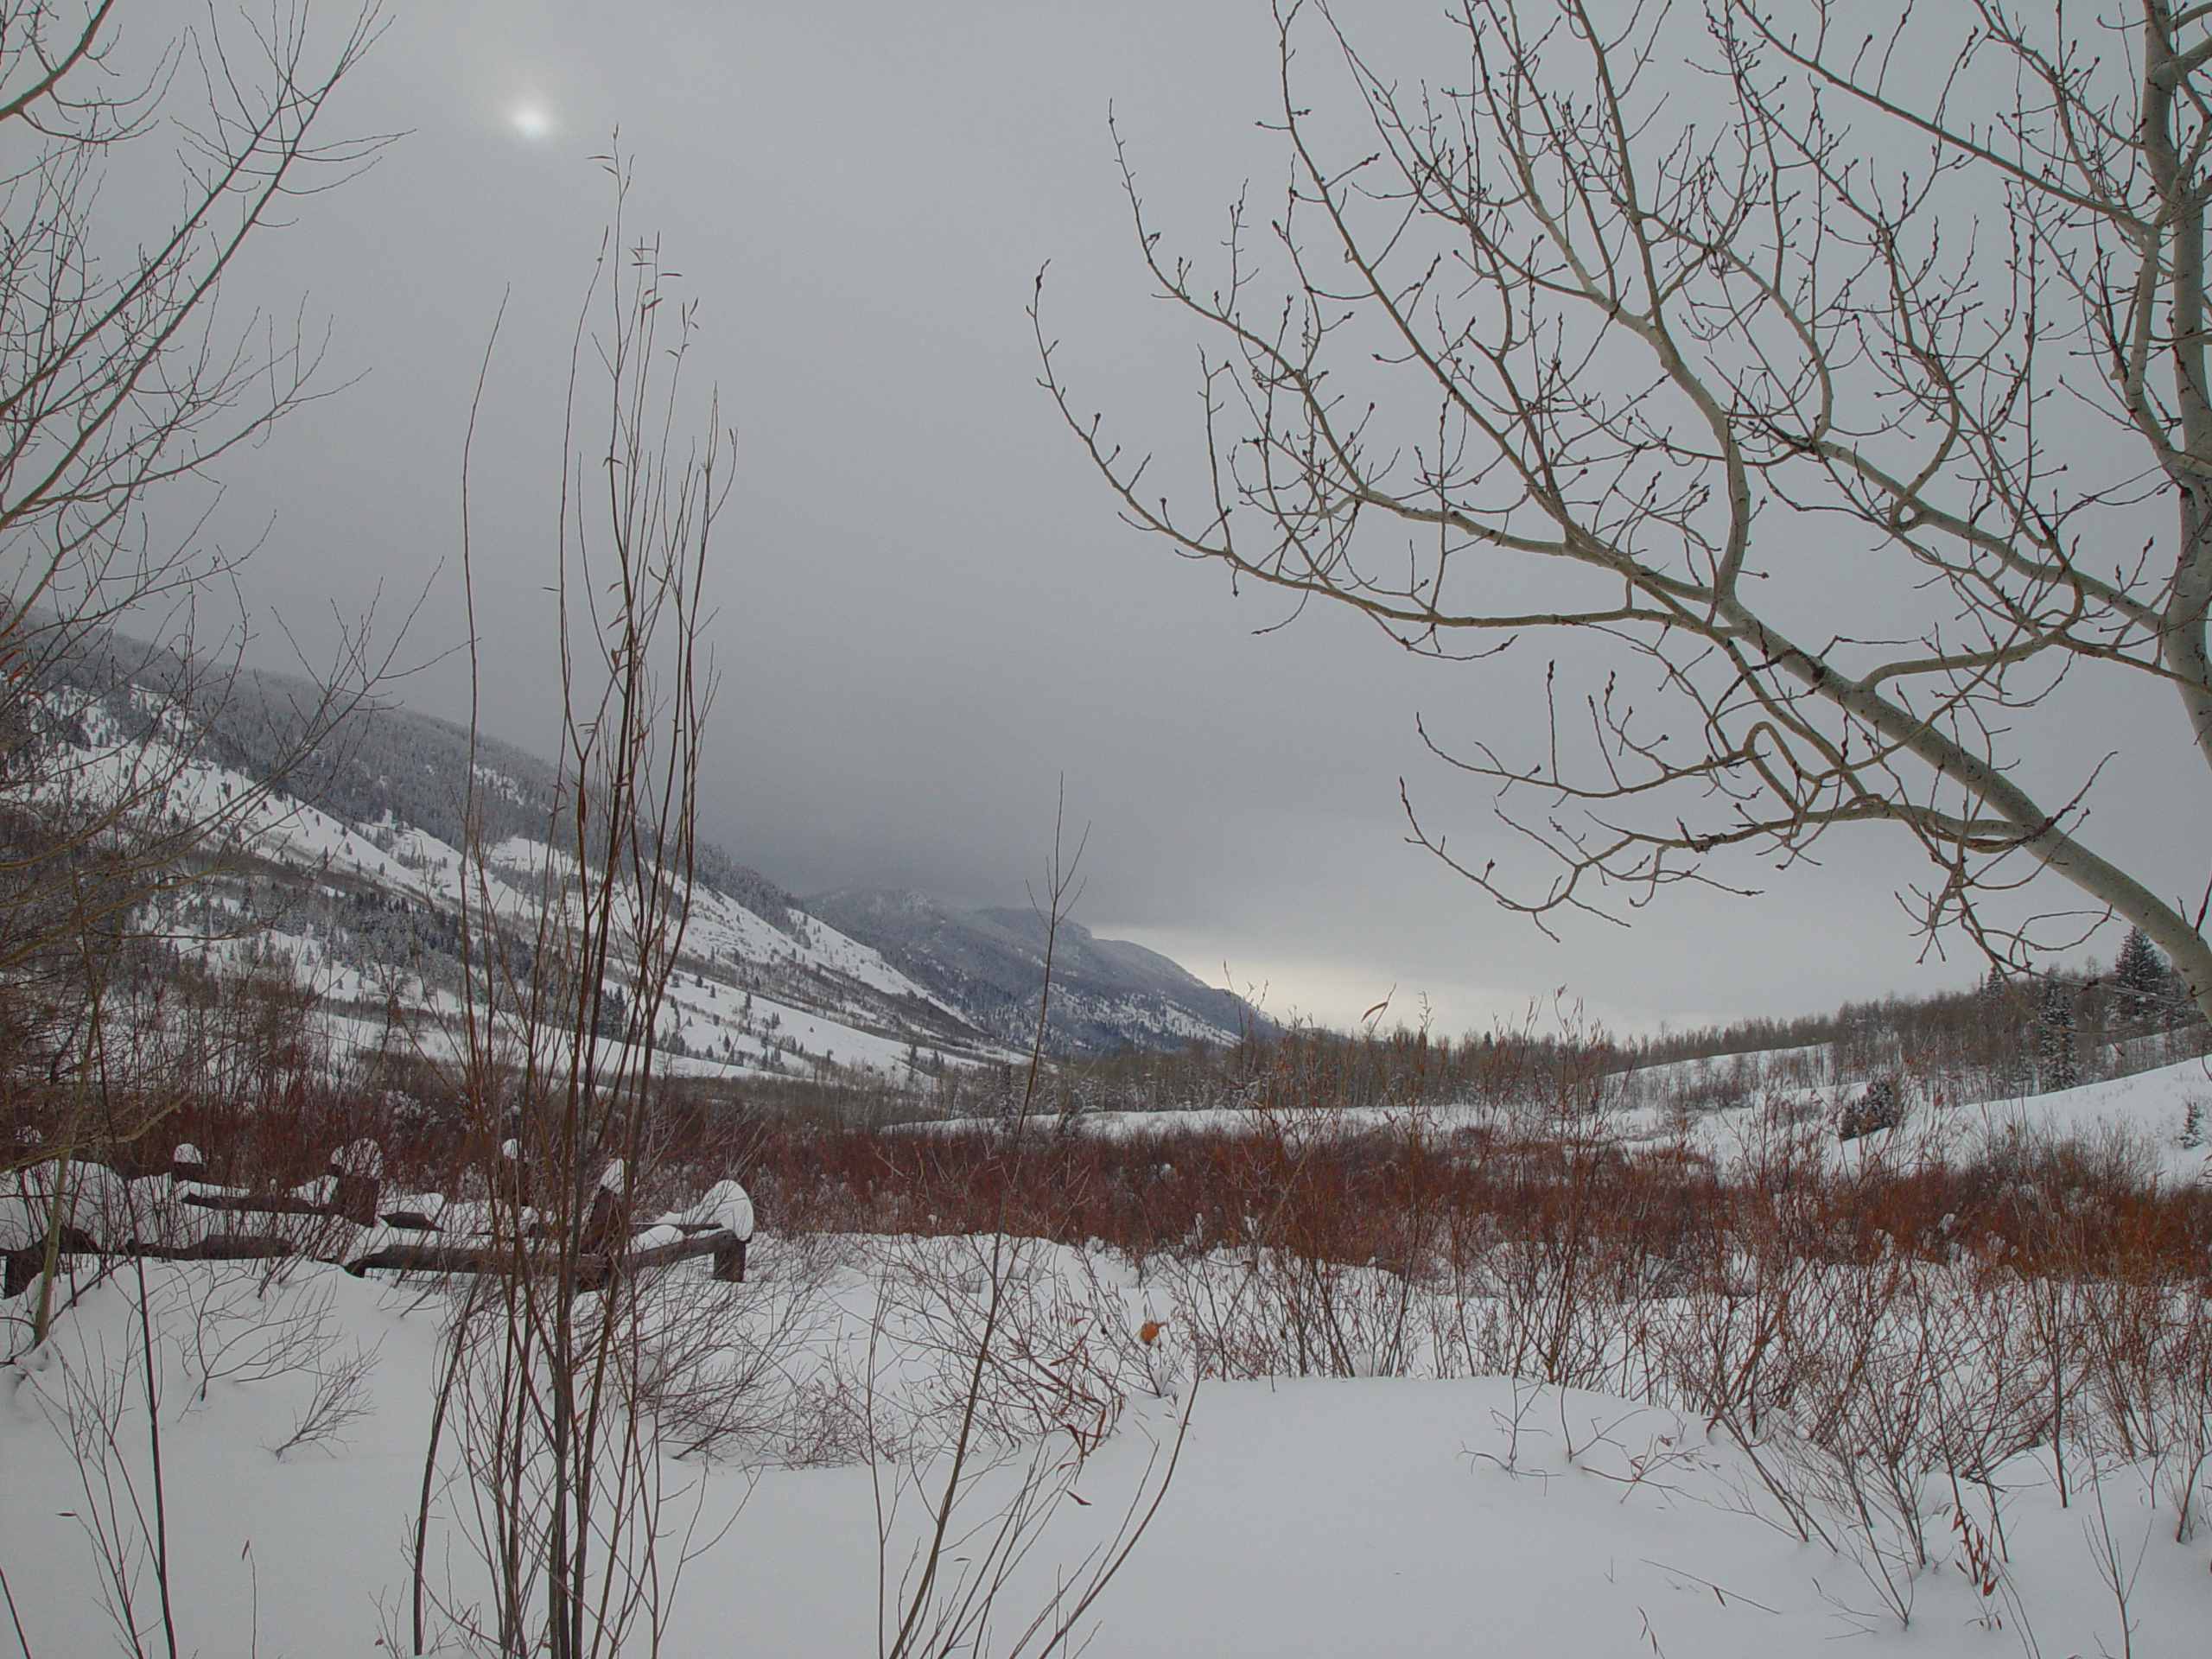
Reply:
x=2165, y=1114
x=2150, y=1112
x=2158, y=1106
x=846, y=1026
x=1319, y=1517
x=1305, y=1517
x=725, y=1204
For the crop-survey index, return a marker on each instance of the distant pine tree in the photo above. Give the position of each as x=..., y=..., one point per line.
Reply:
x=2056, y=1038
x=613, y=1014
x=2142, y=982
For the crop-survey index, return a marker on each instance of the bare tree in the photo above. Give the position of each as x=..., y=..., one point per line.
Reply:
x=567, y=1476
x=1850, y=385
x=950, y=1593
x=120, y=377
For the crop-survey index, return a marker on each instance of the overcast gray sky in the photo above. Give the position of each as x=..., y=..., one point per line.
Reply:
x=928, y=613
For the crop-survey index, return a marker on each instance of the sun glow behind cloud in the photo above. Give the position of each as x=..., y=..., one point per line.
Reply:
x=530, y=121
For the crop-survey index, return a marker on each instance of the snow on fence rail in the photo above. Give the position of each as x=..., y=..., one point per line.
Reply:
x=86, y=1208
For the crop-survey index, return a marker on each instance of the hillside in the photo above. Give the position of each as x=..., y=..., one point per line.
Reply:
x=1107, y=995
x=353, y=871
x=350, y=874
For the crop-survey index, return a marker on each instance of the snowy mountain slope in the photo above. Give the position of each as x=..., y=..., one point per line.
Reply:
x=1107, y=995
x=350, y=865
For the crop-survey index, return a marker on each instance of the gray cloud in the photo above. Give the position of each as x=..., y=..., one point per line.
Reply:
x=928, y=614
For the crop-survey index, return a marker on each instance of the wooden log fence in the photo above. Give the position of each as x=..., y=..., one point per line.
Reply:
x=352, y=1200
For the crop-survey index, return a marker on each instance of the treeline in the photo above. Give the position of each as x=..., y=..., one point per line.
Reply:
x=2009, y=1036
x=2012, y=1034
x=1272, y=1069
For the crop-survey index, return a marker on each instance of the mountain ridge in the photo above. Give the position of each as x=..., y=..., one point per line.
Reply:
x=358, y=853
x=1107, y=995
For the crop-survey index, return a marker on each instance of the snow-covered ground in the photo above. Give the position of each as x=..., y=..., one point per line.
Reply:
x=1305, y=1517
x=2169, y=1107
x=2165, y=1113
x=1411, y=1514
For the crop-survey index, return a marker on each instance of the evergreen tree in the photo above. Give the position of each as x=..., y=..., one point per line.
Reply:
x=2141, y=980
x=2056, y=1035
x=613, y=1014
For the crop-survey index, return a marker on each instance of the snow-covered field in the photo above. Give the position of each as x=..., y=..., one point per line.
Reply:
x=1304, y=1516
x=2165, y=1114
